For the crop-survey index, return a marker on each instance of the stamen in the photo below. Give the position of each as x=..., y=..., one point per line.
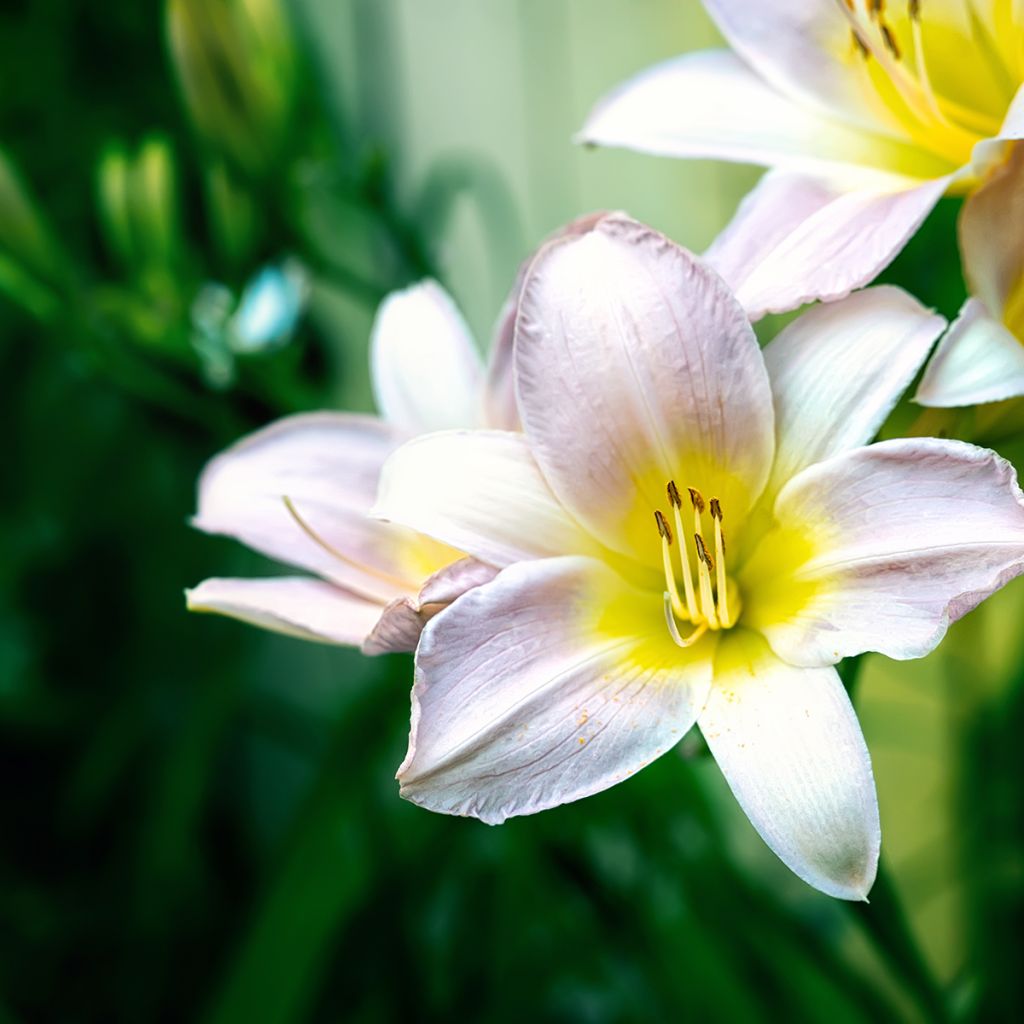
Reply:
x=684, y=555
x=723, y=595
x=666, y=561
x=673, y=629
x=704, y=567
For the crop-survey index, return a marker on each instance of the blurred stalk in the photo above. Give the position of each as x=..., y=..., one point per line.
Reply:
x=886, y=925
x=236, y=64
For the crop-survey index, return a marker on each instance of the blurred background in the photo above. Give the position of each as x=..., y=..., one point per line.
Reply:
x=201, y=205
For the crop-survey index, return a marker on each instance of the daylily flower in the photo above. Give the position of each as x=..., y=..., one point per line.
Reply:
x=694, y=532
x=867, y=111
x=981, y=358
x=300, y=489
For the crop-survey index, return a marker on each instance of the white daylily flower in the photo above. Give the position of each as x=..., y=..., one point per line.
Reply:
x=693, y=531
x=981, y=358
x=867, y=111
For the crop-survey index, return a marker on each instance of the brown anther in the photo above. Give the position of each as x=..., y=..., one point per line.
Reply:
x=716, y=509
x=697, y=498
x=673, y=494
x=702, y=552
x=914, y=9
x=865, y=51
x=875, y=7
x=662, y=526
x=890, y=40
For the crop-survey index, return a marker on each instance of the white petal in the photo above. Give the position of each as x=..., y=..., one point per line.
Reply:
x=524, y=701
x=979, y=360
x=403, y=619
x=427, y=373
x=297, y=606
x=839, y=369
x=500, y=411
x=879, y=549
x=635, y=366
x=479, y=491
x=991, y=228
x=797, y=238
x=790, y=747
x=711, y=104
x=1013, y=124
x=327, y=465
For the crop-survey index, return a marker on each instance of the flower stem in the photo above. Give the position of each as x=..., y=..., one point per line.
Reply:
x=886, y=924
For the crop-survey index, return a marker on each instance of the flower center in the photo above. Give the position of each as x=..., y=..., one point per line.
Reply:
x=918, y=86
x=710, y=600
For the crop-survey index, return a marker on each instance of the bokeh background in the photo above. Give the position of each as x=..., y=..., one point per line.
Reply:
x=201, y=205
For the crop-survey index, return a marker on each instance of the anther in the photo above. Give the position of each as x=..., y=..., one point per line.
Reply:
x=890, y=40
x=702, y=551
x=676, y=502
x=697, y=498
x=663, y=528
x=914, y=9
x=673, y=494
x=704, y=567
x=716, y=509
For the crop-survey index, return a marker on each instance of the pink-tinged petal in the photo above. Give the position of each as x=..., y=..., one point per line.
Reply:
x=327, y=465
x=481, y=492
x=839, y=369
x=527, y=695
x=500, y=411
x=636, y=366
x=297, y=606
x=797, y=238
x=789, y=745
x=979, y=360
x=427, y=373
x=805, y=50
x=711, y=104
x=403, y=619
x=991, y=229
x=879, y=549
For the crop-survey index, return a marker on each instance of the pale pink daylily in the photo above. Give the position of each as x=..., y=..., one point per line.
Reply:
x=867, y=111
x=692, y=531
x=300, y=489
x=981, y=358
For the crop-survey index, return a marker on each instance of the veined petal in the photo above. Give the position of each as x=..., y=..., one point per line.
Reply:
x=979, y=360
x=538, y=689
x=327, y=465
x=480, y=491
x=839, y=369
x=991, y=228
x=500, y=411
x=789, y=745
x=636, y=366
x=711, y=104
x=402, y=621
x=796, y=238
x=880, y=548
x=295, y=605
x=427, y=373
x=806, y=51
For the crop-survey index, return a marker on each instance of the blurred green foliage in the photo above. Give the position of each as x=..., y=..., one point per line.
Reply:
x=200, y=820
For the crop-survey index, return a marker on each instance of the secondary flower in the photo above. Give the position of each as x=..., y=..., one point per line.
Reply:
x=693, y=531
x=300, y=489
x=981, y=358
x=867, y=110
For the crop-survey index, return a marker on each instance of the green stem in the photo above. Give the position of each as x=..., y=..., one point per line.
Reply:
x=887, y=927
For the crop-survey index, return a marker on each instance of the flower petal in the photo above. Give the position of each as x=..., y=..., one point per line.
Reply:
x=479, y=491
x=879, y=549
x=711, y=104
x=295, y=605
x=991, y=228
x=789, y=745
x=527, y=695
x=427, y=373
x=797, y=238
x=839, y=369
x=327, y=465
x=635, y=366
x=500, y=411
x=403, y=619
x=979, y=360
